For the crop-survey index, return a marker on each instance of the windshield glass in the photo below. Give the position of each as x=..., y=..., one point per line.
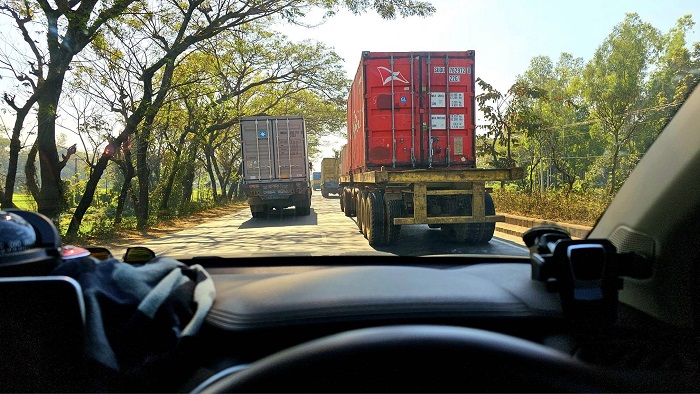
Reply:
x=333, y=127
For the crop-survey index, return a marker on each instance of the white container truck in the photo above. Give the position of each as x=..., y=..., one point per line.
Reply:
x=275, y=164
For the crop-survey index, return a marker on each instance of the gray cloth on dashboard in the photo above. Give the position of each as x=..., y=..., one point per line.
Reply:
x=135, y=314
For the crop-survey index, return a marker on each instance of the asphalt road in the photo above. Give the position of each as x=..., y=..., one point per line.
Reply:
x=325, y=232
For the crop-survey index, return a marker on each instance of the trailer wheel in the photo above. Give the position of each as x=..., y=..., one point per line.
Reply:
x=365, y=213
x=304, y=208
x=375, y=218
x=259, y=214
x=481, y=233
x=392, y=209
x=342, y=201
x=358, y=209
x=346, y=200
x=474, y=233
x=324, y=192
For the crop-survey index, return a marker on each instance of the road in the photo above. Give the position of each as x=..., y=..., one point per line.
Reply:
x=325, y=232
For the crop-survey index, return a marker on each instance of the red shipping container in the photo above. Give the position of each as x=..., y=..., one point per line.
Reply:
x=412, y=110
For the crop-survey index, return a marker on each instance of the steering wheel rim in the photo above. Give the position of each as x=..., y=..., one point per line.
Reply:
x=416, y=358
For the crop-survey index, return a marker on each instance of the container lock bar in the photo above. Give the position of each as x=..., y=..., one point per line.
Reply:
x=447, y=107
x=413, y=117
x=430, y=115
x=393, y=115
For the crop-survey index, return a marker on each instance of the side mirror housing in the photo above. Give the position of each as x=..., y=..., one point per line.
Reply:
x=138, y=255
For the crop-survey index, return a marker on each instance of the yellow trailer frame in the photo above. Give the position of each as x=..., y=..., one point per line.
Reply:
x=424, y=183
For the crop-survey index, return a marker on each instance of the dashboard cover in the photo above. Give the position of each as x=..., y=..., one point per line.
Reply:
x=379, y=293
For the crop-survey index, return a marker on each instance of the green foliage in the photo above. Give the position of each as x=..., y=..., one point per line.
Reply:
x=582, y=126
x=508, y=118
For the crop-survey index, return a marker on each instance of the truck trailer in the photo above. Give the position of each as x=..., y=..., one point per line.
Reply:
x=275, y=164
x=330, y=173
x=410, y=156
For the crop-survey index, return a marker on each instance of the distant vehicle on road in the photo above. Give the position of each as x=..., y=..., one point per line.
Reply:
x=316, y=180
x=330, y=174
x=276, y=164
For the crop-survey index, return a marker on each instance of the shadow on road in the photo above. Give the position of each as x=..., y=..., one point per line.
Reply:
x=420, y=240
x=332, y=197
x=285, y=217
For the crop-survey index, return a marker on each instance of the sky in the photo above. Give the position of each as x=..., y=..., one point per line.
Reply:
x=505, y=34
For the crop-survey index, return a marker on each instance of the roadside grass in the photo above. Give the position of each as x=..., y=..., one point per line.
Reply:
x=24, y=201
x=97, y=229
x=575, y=208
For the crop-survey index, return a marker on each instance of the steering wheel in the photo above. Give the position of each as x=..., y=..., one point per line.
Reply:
x=417, y=358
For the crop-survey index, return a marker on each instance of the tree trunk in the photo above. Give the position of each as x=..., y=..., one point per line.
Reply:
x=210, y=171
x=30, y=173
x=188, y=178
x=86, y=199
x=173, y=171
x=50, y=199
x=613, y=171
x=15, y=147
x=142, y=173
x=96, y=175
x=121, y=200
x=128, y=171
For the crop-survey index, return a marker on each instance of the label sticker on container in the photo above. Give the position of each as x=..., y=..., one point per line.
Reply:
x=457, y=100
x=438, y=122
x=438, y=70
x=458, y=70
x=458, y=145
x=457, y=121
x=262, y=134
x=437, y=99
x=454, y=78
x=403, y=100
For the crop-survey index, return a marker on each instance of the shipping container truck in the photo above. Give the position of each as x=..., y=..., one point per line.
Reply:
x=316, y=180
x=330, y=174
x=410, y=156
x=276, y=164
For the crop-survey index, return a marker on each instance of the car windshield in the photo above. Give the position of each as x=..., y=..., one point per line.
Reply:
x=257, y=128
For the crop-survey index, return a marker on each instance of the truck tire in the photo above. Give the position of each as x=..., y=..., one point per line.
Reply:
x=304, y=208
x=365, y=213
x=481, y=233
x=473, y=233
x=342, y=201
x=392, y=209
x=324, y=192
x=349, y=205
x=375, y=219
x=257, y=214
x=358, y=209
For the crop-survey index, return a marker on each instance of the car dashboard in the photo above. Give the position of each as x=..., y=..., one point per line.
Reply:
x=357, y=323
x=262, y=310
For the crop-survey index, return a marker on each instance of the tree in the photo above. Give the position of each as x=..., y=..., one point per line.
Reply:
x=69, y=27
x=564, y=144
x=28, y=78
x=614, y=86
x=508, y=116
